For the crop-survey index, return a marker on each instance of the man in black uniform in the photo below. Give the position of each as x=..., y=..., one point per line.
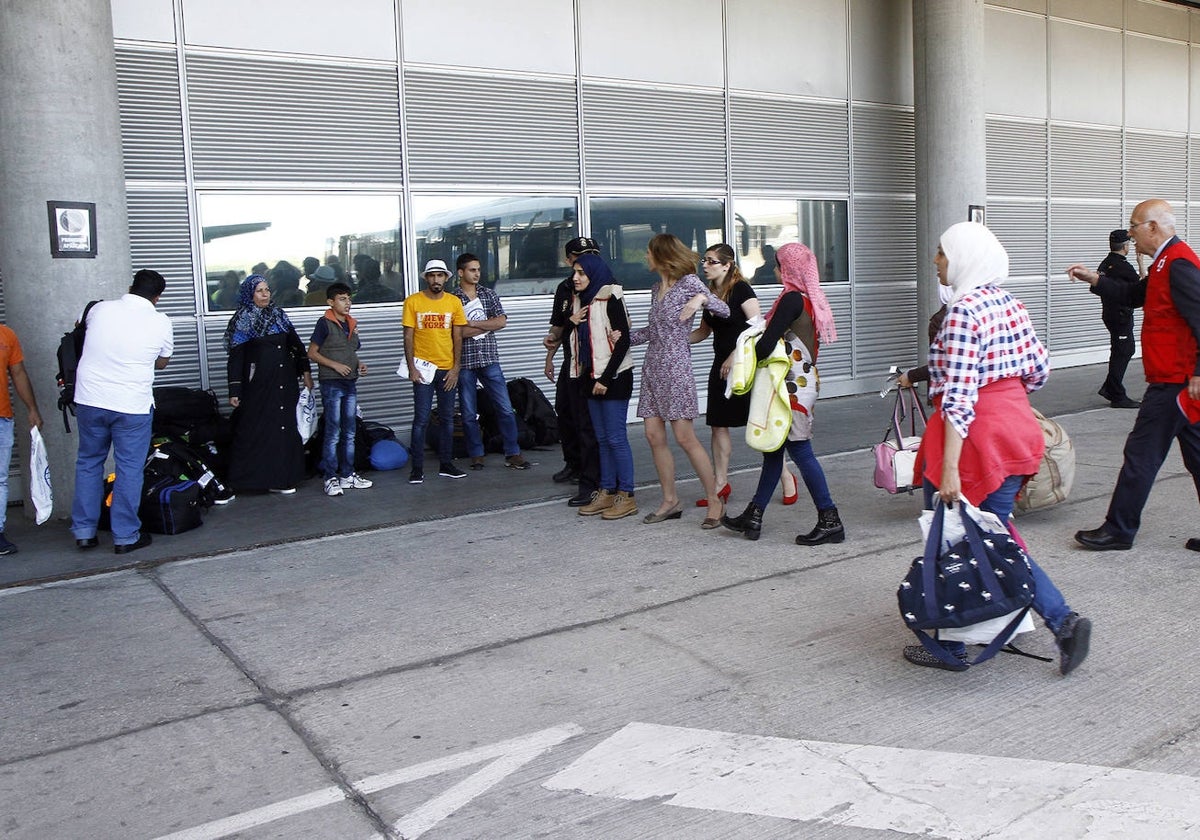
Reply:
x=580, y=450
x=1118, y=319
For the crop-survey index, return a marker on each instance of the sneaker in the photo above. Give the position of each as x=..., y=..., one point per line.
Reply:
x=354, y=481
x=517, y=462
x=284, y=491
x=917, y=655
x=226, y=499
x=450, y=471
x=416, y=476
x=333, y=486
x=1072, y=640
x=6, y=547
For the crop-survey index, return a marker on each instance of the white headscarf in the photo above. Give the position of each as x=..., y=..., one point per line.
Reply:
x=974, y=257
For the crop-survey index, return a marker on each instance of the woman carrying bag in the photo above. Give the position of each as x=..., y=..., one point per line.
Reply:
x=802, y=318
x=983, y=441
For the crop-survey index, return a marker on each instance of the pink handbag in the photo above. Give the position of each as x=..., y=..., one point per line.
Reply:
x=896, y=454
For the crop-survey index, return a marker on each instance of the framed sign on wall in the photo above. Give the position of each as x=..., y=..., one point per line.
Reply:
x=72, y=229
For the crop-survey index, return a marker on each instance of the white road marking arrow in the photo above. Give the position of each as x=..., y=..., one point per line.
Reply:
x=915, y=792
x=509, y=756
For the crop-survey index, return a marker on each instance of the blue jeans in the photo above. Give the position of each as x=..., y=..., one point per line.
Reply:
x=6, y=445
x=422, y=408
x=1048, y=601
x=616, y=457
x=810, y=470
x=129, y=437
x=339, y=402
x=492, y=378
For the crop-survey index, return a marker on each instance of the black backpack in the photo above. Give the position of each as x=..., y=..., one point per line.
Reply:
x=192, y=415
x=70, y=351
x=532, y=407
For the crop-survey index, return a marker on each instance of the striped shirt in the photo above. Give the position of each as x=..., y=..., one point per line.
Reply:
x=987, y=336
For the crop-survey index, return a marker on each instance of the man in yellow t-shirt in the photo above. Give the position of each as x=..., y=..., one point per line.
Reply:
x=433, y=322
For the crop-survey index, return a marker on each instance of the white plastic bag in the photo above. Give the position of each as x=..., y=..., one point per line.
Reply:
x=952, y=531
x=40, y=490
x=306, y=414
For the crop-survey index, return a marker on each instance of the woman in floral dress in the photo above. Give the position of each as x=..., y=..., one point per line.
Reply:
x=668, y=392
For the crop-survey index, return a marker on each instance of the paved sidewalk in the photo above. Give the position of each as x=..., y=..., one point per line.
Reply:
x=528, y=673
x=844, y=424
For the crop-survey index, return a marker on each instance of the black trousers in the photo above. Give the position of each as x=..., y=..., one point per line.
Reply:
x=579, y=446
x=1159, y=422
x=1121, y=347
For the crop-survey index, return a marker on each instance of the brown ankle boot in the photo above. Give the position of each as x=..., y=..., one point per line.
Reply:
x=601, y=501
x=623, y=505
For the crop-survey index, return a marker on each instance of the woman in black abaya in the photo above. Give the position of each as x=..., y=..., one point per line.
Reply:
x=266, y=360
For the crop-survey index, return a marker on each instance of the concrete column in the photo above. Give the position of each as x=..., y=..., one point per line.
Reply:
x=951, y=138
x=60, y=139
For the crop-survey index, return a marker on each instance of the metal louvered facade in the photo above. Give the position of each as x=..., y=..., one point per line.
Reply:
x=780, y=144
x=425, y=127
x=1016, y=156
x=659, y=124
x=151, y=116
x=464, y=129
x=270, y=120
x=1085, y=162
x=884, y=150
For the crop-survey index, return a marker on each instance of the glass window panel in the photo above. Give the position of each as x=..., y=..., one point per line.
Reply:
x=274, y=234
x=519, y=239
x=765, y=224
x=625, y=226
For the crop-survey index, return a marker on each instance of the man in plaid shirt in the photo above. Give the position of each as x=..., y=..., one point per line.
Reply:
x=481, y=364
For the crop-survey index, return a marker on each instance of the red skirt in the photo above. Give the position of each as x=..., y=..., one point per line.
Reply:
x=1004, y=439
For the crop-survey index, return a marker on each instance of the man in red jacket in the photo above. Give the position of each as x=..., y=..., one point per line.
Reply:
x=1170, y=301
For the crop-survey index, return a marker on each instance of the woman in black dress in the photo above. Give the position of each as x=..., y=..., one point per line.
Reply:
x=725, y=413
x=266, y=358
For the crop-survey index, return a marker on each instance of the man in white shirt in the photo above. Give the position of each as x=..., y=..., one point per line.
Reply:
x=127, y=341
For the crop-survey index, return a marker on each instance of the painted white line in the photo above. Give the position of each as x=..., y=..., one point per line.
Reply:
x=260, y=816
x=539, y=741
x=510, y=756
x=909, y=792
x=437, y=809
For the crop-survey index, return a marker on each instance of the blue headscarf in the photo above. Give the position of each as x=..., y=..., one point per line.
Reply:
x=251, y=321
x=598, y=273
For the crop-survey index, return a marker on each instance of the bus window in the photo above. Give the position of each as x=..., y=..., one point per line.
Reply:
x=625, y=226
x=766, y=224
x=519, y=240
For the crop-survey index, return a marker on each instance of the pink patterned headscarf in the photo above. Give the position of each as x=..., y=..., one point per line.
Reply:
x=798, y=273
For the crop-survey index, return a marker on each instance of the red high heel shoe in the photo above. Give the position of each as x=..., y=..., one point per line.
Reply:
x=722, y=494
x=792, y=499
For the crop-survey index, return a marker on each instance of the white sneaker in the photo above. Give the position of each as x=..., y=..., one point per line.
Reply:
x=356, y=482
x=333, y=486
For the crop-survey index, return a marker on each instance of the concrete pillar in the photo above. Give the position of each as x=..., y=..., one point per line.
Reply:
x=60, y=139
x=951, y=138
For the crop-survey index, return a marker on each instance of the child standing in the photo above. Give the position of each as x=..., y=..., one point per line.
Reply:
x=334, y=347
